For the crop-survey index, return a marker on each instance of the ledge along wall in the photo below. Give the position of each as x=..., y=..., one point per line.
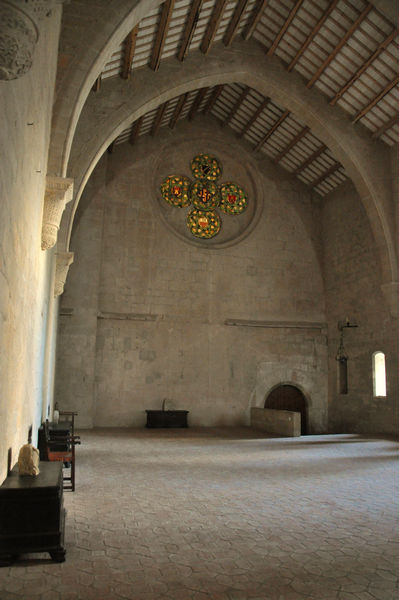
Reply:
x=144, y=313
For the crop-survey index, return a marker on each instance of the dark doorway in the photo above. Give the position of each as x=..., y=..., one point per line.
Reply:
x=288, y=397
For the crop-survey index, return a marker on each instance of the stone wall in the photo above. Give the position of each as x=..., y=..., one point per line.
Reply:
x=161, y=298
x=26, y=271
x=353, y=279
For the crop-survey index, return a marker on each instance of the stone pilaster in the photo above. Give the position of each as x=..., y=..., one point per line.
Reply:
x=59, y=191
x=63, y=262
x=19, y=33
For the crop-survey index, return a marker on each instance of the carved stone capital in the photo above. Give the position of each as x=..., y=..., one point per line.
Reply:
x=19, y=33
x=63, y=262
x=391, y=295
x=59, y=191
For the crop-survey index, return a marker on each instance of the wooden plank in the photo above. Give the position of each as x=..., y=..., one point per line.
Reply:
x=326, y=174
x=235, y=22
x=310, y=159
x=312, y=34
x=213, y=97
x=130, y=46
x=254, y=19
x=166, y=15
x=365, y=65
x=213, y=25
x=197, y=102
x=189, y=29
x=292, y=143
x=340, y=45
x=272, y=130
x=177, y=112
x=256, y=114
x=158, y=117
x=284, y=28
x=237, y=105
x=379, y=97
x=135, y=130
x=386, y=126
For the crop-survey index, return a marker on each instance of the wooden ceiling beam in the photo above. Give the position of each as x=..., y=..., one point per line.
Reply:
x=310, y=159
x=97, y=84
x=236, y=105
x=235, y=22
x=213, y=25
x=158, y=117
x=284, y=28
x=326, y=174
x=130, y=46
x=375, y=101
x=386, y=126
x=213, y=97
x=340, y=45
x=272, y=130
x=254, y=117
x=254, y=19
x=166, y=15
x=197, y=102
x=135, y=131
x=365, y=65
x=178, y=110
x=292, y=143
x=189, y=29
x=312, y=34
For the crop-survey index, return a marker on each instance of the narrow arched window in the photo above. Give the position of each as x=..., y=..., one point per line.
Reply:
x=379, y=374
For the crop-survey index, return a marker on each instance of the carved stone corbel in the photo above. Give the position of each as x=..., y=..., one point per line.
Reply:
x=59, y=192
x=19, y=33
x=391, y=295
x=63, y=262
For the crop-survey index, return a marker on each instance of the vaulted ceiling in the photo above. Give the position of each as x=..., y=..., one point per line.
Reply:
x=346, y=49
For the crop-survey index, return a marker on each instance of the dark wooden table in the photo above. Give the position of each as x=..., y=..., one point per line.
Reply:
x=32, y=514
x=166, y=418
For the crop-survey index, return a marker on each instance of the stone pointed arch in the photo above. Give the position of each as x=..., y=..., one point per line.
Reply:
x=365, y=161
x=84, y=51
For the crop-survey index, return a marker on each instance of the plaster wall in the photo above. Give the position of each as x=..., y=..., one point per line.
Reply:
x=352, y=280
x=25, y=271
x=163, y=300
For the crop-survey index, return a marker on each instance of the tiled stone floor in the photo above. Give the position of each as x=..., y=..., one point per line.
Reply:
x=224, y=514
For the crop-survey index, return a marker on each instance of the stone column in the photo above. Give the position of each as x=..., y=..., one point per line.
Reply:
x=19, y=33
x=63, y=262
x=59, y=192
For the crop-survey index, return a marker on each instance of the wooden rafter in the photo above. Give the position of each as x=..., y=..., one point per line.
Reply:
x=234, y=22
x=272, y=130
x=340, y=45
x=326, y=174
x=189, y=29
x=237, y=105
x=373, y=102
x=130, y=46
x=213, y=25
x=254, y=19
x=135, y=131
x=166, y=15
x=292, y=143
x=386, y=126
x=254, y=117
x=365, y=65
x=213, y=97
x=312, y=34
x=284, y=28
x=310, y=159
x=177, y=112
x=197, y=102
x=159, y=117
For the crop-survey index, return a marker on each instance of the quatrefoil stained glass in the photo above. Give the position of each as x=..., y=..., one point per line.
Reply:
x=203, y=220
